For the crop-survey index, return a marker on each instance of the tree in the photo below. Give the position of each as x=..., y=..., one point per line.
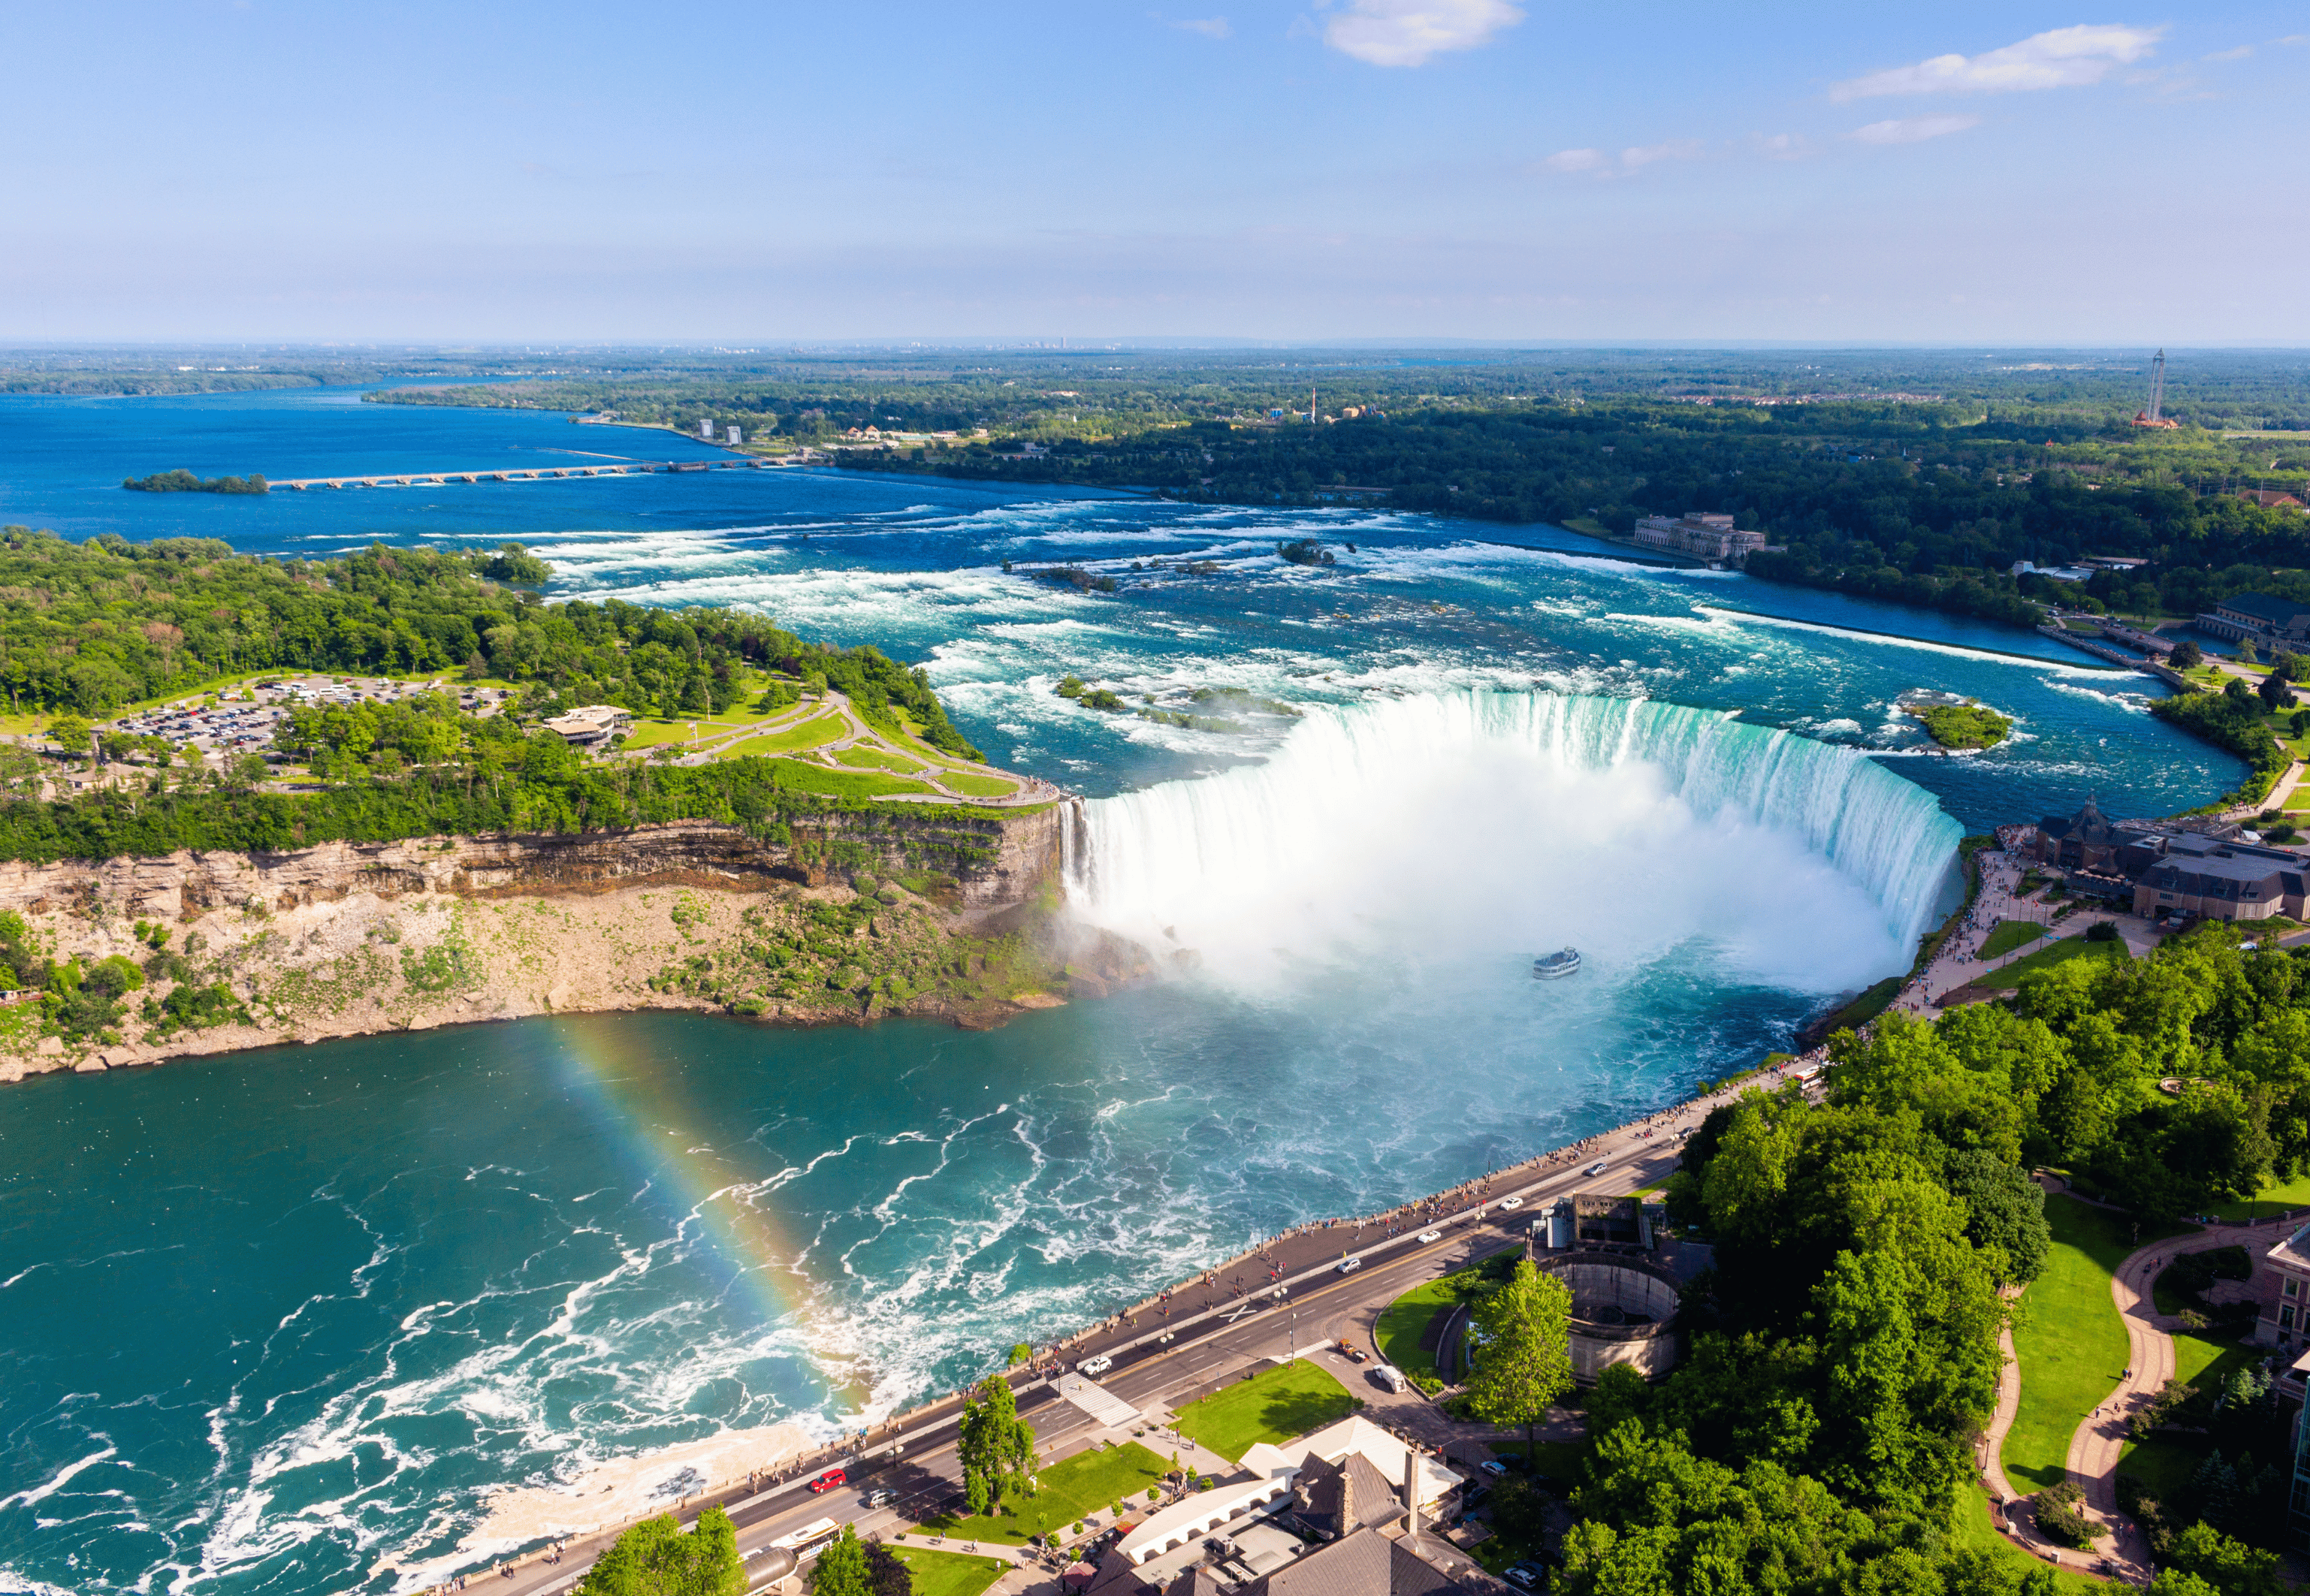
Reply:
x=885, y=1575
x=2275, y=692
x=994, y=1446
x=1522, y=1333
x=2236, y=691
x=2186, y=656
x=69, y=733
x=658, y=1557
x=842, y=1568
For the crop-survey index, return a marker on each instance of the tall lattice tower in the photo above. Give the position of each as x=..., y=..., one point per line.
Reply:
x=2154, y=416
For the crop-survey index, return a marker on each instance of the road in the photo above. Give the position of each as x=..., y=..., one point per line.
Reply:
x=1160, y=1365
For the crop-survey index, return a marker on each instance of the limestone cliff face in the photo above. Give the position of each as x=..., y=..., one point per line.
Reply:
x=348, y=938
x=995, y=863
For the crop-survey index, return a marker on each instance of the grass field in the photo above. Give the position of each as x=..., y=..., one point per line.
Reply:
x=2008, y=935
x=875, y=759
x=977, y=786
x=2166, y=1461
x=2061, y=952
x=811, y=734
x=1971, y=1527
x=2268, y=1202
x=649, y=734
x=1273, y=1406
x=1089, y=1482
x=840, y=784
x=1397, y=1334
x=2070, y=1340
x=948, y=1574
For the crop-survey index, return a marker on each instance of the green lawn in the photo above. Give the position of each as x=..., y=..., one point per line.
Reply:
x=1089, y=1482
x=948, y=1574
x=2070, y=1340
x=1397, y=1334
x=841, y=784
x=2166, y=1461
x=873, y=759
x=811, y=733
x=649, y=734
x=2008, y=935
x=977, y=786
x=1970, y=1528
x=1273, y=1406
x=2268, y=1201
x=2061, y=952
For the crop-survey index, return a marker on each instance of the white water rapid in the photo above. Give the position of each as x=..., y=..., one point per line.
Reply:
x=1468, y=833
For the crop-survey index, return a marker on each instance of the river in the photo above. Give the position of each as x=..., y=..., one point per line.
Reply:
x=273, y=1319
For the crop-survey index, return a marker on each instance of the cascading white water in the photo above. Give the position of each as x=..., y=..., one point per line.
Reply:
x=1484, y=827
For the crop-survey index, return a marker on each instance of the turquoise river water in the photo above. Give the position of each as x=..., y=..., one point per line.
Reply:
x=272, y=1321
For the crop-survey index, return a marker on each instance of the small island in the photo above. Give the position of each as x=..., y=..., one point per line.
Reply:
x=1966, y=725
x=184, y=481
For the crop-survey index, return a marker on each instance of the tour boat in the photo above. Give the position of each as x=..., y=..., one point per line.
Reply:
x=1557, y=965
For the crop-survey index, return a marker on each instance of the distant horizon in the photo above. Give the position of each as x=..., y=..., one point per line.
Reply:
x=771, y=347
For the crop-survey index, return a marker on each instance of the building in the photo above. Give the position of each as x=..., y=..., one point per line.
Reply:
x=2257, y=618
x=705, y=430
x=1700, y=536
x=2051, y=573
x=736, y=437
x=591, y=727
x=2171, y=872
x=2269, y=498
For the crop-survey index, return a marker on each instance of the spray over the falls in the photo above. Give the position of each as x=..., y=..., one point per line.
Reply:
x=1464, y=832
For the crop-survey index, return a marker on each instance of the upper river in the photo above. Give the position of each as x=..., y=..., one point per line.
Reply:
x=267, y=1321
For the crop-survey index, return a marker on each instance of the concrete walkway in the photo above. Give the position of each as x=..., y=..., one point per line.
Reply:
x=1999, y=899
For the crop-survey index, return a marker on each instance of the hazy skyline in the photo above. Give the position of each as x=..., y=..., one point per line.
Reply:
x=1365, y=169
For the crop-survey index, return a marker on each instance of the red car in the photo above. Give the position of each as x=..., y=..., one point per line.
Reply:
x=829, y=1481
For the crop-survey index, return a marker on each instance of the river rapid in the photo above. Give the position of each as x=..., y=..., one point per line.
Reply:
x=278, y=1323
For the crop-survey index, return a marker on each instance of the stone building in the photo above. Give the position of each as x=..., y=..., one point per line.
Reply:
x=1702, y=536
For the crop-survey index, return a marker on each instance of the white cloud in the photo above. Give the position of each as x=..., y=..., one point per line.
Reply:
x=1209, y=27
x=1575, y=161
x=2060, y=58
x=1407, y=32
x=1645, y=155
x=1913, y=130
x=1782, y=147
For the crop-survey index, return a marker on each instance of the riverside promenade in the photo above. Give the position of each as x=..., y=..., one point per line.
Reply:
x=1172, y=1341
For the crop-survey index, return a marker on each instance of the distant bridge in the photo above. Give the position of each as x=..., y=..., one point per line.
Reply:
x=524, y=473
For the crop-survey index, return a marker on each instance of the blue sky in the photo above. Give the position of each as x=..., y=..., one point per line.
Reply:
x=2018, y=173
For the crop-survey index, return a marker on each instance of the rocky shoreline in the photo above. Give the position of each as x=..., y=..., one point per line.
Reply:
x=348, y=940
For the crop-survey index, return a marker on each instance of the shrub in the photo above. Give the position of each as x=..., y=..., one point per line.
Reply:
x=2061, y=1516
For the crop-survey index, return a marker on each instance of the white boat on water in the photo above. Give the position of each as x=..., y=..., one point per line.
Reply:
x=1557, y=966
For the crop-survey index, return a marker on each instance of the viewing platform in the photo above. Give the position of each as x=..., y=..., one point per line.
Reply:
x=527, y=473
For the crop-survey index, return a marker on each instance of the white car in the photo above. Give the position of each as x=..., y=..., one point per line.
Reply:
x=1348, y=1266
x=1095, y=1367
x=1511, y=1202
x=1428, y=1236
x=1598, y=1167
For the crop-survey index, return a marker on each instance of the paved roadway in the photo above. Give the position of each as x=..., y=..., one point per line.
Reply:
x=1152, y=1372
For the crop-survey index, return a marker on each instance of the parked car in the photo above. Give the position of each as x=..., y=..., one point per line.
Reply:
x=1598, y=1167
x=829, y=1481
x=1525, y=1575
x=1431, y=1235
x=1348, y=1266
x=1392, y=1378
x=880, y=1498
x=1511, y=1202
x=1095, y=1367
x=1494, y=1467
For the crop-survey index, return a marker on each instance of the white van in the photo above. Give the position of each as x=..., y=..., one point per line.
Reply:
x=1389, y=1375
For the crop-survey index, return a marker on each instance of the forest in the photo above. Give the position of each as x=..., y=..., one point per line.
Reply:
x=90, y=628
x=1846, y=1349
x=1922, y=477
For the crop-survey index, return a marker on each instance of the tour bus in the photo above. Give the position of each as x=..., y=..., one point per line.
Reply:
x=811, y=1540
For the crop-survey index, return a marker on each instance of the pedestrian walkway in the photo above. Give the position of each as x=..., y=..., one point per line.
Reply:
x=1101, y=1404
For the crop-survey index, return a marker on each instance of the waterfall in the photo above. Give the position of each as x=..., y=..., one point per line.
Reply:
x=1554, y=814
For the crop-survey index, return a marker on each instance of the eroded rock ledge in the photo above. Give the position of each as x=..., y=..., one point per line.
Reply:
x=961, y=920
